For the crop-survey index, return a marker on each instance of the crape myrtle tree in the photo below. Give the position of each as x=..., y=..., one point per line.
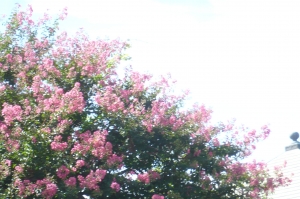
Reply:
x=70, y=126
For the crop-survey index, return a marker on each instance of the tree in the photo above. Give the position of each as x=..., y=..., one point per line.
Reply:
x=71, y=126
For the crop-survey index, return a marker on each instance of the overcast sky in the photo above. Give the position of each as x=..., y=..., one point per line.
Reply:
x=239, y=57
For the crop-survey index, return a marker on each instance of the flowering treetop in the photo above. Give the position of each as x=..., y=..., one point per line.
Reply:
x=70, y=126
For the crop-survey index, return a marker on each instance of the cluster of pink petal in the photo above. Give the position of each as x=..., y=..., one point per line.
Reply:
x=91, y=56
x=5, y=169
x=148, y=176
x=139, y=81
x=238, y=169
x=2, y=87
x=153, y=175
x=70, y=102
x=71, y=182
x=11, y=113
x=158, y=116
x=49, y=189
x=12, y=145
x=199, y=114
x=80, y=163
x=92, y=179
x=16, y=132
x=47, y=65
x=96, y=145
x=19, y=169
x=145, y=178
x=259, y=180
x=114, y=160
x=74, y=100
x=109, y=100
x=62, y=172
x=115, y=186
x=62, y=125
x=100, y=147
x=114, y=99
x=4, y=129
x=156, y=196
x=25, y=187
x=52, y=104
x=57, y=145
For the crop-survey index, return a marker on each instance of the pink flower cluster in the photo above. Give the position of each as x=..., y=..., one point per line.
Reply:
x=92, y=179
x=139, y=81
x=115, y=186
x=71, y=182
x=148, y=176
x=19, y=169
x=5, y=169
x=80, y=163
x=27, y=188
x=109, y=100
x=96, y=145
x=57, y=145
x=158, y=116
x=47, y=65
x=156, y=196
x=74, y=100
x=62, y=172
x=114, y=160
x=200, y=114
x=49, y=191
x=2, y=87
x=11, y=113
x=12, y=145
x=69, y=102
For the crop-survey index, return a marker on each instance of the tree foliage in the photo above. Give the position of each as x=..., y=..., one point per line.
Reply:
x=70, y=126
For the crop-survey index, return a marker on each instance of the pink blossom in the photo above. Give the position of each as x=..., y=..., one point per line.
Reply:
x=9, y=58
x=64, y=14
x=156, y=196
x=19, y=169
x=58, y=146
x=18, y=59
x=114, y=160
x=148, y=176
x=80, y=163
x=254, y=193
x=216, y=142
x=71, y=182
x=74, y=100
x=25, y=188
x=12, y=145
x=115, y=186
x=7, y=162
x=144, y=178
x=2, y=88
x=153, y=175
x=92, y=179
x=62, y=172
x=11, y=113
x=50, y=190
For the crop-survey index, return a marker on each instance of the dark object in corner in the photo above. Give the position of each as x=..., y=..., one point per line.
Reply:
x=294, y=136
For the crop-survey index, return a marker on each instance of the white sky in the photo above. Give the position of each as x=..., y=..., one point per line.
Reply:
x=239, y=57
